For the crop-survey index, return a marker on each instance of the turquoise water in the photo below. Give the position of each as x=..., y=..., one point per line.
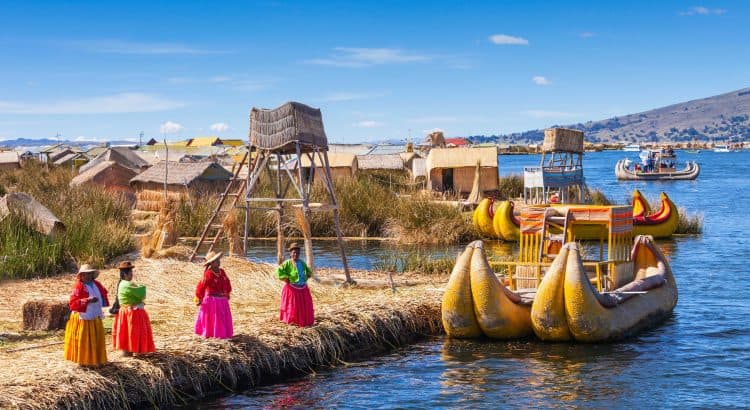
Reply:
x=700, y=357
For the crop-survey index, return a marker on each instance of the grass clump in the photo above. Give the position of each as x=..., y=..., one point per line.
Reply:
x=598, y=197
x=97, y=224
x=417, y=261
x=510, y=186
x=689, y=224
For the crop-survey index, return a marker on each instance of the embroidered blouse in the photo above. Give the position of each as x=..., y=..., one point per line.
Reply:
x=78, y=299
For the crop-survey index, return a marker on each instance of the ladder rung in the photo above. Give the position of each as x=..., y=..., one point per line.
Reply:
x=556, y=219
x=556, y=237
x=217, y=226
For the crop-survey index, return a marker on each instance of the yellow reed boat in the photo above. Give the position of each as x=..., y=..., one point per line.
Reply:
x=632, y=284
x=499, y=221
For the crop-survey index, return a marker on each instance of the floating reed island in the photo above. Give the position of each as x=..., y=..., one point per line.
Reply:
x=351, y=323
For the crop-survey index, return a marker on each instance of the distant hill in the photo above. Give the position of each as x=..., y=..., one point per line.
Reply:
x=724, y=117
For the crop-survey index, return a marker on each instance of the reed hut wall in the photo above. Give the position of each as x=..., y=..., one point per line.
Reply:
x=9, y=160
x=382, y=161
x=342, y=164
x=452, y=169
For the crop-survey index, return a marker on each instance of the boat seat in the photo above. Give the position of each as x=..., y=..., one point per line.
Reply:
x=527, y=295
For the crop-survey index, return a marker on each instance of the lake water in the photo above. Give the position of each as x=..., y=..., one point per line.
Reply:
x=698, y=358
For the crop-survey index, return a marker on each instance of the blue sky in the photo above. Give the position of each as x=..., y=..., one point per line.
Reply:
x=109, y=70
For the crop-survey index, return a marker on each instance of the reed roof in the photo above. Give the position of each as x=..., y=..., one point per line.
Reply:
x=88, y=175
x=280, y=128
x=205, y=141
x=461, y=157
x=124, y=156
x=183, y=173
x=380, y=161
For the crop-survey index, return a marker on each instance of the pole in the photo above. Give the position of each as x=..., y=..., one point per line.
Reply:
x=166, y=169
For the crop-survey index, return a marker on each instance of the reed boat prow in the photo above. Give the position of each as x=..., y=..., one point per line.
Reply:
x=477, y=303
x=594, y=316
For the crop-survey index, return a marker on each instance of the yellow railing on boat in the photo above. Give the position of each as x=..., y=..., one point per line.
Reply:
x=602, y=280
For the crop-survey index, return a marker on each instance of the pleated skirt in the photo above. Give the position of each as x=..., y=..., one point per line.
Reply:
x=131, y=331
x=214, y=318
x=297, y=306
x=84, y=341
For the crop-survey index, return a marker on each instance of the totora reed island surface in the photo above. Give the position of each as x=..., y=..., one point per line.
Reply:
x=351, y=323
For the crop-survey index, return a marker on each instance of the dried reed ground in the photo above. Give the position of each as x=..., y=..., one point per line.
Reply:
x=350, y=323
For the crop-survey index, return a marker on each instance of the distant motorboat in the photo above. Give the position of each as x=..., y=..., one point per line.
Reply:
x=721, y=148
x=632, y=147
x=693, y=151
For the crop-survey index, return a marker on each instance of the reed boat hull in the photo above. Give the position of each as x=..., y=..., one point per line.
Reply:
x=660, y=224
x=691, y=171
x=568, y=307
x=459, y=320
x=482, y=217
x=496, y=311
x=506, y=225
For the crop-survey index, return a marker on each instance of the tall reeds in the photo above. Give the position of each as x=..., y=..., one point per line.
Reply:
x=97, y=224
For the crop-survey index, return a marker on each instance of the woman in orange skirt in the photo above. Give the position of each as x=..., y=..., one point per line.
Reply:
x=131, y=330
x=84, y=332
x=296, y=300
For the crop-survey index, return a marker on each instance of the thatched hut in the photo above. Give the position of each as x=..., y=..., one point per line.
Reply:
x=9, y=160
x=452, y=169
x=123, y=156
x=343, y=165
x=182, y=180
x=109, y=174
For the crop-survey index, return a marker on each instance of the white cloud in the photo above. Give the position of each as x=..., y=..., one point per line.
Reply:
x=128, y=47
x=369, y=124
x=587, y=34
x=539, y=80
x=366, y=57
x=170, y=127
x=220, y=127
x=349, y=96
x=505, y=39
x=549, y=114
x=112, y=104
x=699, y=10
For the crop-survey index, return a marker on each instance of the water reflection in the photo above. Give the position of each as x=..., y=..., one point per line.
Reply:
x=531, y=372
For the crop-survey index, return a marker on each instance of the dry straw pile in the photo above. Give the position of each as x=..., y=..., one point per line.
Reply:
x=351, y=323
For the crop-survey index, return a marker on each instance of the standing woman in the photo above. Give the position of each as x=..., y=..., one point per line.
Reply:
x=84, y=333
x=131, y=330
x=296, y=301
x=212, y=297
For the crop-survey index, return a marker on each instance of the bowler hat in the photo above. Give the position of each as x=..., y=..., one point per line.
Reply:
x=293, y=245
x=212, y=256
x=125, y=265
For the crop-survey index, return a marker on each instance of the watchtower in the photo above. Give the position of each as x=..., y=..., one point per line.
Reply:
x=561, y=170
x=279, y=139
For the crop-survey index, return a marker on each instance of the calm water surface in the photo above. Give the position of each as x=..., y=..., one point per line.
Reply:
x=698, y=358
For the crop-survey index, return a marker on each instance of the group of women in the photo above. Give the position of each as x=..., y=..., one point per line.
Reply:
x=131, y=328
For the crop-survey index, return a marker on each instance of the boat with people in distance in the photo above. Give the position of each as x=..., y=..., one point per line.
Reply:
x=722, y=148
x=656, y=165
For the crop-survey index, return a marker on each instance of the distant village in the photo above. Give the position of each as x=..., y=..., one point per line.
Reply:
x=186, y=165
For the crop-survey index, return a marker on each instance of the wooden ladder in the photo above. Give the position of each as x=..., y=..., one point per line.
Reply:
x=214, y=227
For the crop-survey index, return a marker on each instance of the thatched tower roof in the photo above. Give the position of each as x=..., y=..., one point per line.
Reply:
x=278, y=129
x=183, y=173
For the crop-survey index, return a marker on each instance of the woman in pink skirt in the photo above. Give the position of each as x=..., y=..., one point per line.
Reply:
x=296, y=301
x=212, y=297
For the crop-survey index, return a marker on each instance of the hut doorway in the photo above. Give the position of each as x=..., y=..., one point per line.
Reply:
x=448, y=179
